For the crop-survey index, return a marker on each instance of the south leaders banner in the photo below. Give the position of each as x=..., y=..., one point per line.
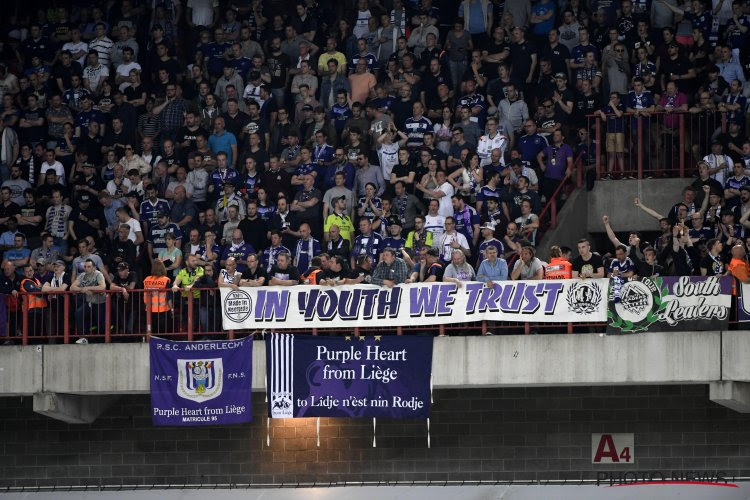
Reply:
x=201, y=383
x=669, y=303
x=743, y=303
x=351, y=306
x=311, y=376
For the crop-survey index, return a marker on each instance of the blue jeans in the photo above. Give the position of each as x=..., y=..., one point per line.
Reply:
x=90, y=316
x=4, y=172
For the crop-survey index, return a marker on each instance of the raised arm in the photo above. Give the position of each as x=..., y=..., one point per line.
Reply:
x=653, y=213
x=610, y=232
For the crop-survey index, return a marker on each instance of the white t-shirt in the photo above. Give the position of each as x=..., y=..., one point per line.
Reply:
x=487, y=144
x=127, y=186
x=716, y=161
x=202, y=11
x=445, y=242
x=388, y=156
x=57, y=167
x=74, y=47
x=135, y=227
x=95, y=74
x=124, y=69
x=446, y=204
x=361, y=25
x=435, y=224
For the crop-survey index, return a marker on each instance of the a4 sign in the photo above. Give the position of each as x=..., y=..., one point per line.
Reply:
x=612, y=449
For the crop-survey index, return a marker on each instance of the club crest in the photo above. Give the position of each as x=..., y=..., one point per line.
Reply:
x=200, y=379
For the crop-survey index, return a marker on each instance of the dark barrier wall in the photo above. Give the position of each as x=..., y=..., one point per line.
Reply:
x=478, y=434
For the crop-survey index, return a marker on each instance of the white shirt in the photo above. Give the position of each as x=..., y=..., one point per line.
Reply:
x=434, y=224
x=95, y=74
x=127, y=186
x=78, y=47
x=717, y=160
x=135, y=227
x=388, y=156
x=57, y=167
x=445, y=244
x=202, y=11
x=446, y=204
x=487, y=144
x=124, y=69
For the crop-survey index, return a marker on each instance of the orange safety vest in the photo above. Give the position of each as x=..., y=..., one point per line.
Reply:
x=158, y=300
x=311, y=278
x=35, y=301
x=739, y=269
x=558, y=269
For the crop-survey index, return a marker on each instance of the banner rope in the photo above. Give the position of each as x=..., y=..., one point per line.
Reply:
x=428, y=432
x=431, y=400
x=268, y=431
x=317, y=430
x=374, y=443
x=265, y=387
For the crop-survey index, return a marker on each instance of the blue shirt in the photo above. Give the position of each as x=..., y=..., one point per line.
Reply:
x=483, y=246
x=149, y=211
x=304, y=252
x=368, y=245
x=496, y=272
x=395, y=243
x=531, y=145
x=85, y=117
x=615, y=125
x=17, y=254
x=223, y=142
x=240, y=254
x=465, y=221
x=340, y=114
x=415, y=129
x=218, y=178
x=271, y=254
x=541, y=9
x=157, y=236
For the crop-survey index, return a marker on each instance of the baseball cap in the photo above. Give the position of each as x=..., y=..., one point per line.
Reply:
x=59, y=262
x=122, y=265
x=516, y=161
x=745, y=188
x=433, y=252
x=84, y=198
x=41, y=261
x=342, y=197
x=561, y=75
x=307, y=107
x=489, y=225
x=394, y=221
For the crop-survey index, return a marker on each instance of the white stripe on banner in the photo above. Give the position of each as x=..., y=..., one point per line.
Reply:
x=350, y=306
x=282, y=389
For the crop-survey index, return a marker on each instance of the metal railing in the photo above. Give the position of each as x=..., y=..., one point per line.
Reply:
x=660, y=144
x=71, y=316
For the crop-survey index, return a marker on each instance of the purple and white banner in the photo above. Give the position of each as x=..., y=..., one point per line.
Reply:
x=201, y=383
x=312, y=376
x=743, y=303
x=348, y=306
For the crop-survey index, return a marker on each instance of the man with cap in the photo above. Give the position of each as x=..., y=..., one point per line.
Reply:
x=152, y=206
x=157, y=233
x=58, y=281
x=488, y=240
x=340, y=218
x=394, y=240
x=88, y=182
x=227, y=199
x=85, y=220
x=126, y=308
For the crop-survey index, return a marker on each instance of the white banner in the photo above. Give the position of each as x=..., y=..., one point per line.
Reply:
x=348, y=306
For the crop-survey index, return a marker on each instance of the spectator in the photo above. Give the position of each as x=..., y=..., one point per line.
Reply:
x=391, y=270
x=492, y=268
x=458, y=270
x=283, y=273
x=528, y=266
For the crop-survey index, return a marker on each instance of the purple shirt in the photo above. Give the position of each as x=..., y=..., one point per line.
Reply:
x=556, y=159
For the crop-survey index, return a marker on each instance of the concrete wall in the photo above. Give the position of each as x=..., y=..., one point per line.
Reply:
x=615, y=199
x=20, y=370
x=512, y=360
x=569, y=230
x=476, y=434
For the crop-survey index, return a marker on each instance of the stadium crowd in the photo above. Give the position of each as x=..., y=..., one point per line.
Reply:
x=158, y=145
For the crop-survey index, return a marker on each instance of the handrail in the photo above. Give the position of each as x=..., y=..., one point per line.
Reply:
x=551, y=205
